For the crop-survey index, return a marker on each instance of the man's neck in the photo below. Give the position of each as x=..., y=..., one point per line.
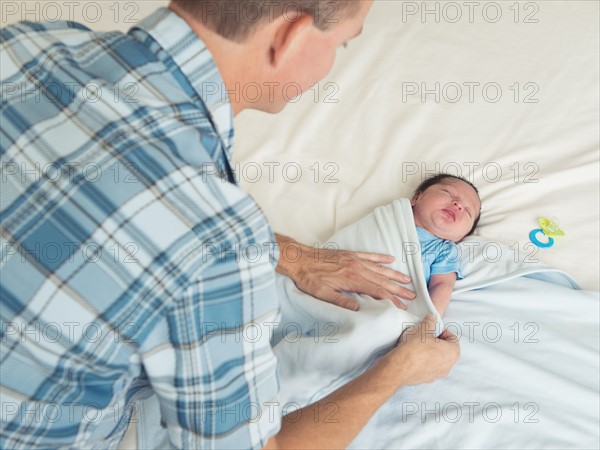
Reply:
x=226, y=54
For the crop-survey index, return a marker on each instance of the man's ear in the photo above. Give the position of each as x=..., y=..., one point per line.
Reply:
x=288, y=36
x=413, y=202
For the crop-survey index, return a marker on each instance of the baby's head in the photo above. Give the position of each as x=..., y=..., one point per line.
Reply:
x=447, y=206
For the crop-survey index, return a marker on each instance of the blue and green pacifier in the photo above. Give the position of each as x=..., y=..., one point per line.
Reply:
x=549, y=228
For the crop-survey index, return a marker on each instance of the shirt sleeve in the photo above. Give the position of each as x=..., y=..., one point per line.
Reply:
x=447, y=260
x=210, y=360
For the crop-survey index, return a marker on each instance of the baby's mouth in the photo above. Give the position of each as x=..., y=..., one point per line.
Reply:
x=451, y=214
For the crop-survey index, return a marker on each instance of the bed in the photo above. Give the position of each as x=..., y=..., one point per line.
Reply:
x=507, y=95
x=527, y=376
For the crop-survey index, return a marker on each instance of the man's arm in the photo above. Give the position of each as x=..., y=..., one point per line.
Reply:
x=325, y=274
x=440, y=290
x=336, y=420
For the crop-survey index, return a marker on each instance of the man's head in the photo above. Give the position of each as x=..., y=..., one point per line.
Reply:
x=447, y=206
x=279, y=48
x=237, y=19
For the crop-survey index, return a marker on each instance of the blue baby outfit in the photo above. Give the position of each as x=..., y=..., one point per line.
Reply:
x=438, y=255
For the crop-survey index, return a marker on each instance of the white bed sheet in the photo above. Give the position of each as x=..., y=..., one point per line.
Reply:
x=528, y=372
x=527, y=377
x=528, y=159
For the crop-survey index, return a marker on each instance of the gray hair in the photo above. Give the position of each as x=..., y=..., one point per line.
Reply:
x=237, y=19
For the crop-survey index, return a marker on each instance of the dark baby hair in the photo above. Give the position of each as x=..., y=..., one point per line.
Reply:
x=437, y=179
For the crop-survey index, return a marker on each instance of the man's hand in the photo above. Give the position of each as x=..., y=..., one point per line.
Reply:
x=326, y=274
x=420, y=356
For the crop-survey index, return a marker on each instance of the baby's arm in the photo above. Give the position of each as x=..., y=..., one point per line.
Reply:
x=440, y=290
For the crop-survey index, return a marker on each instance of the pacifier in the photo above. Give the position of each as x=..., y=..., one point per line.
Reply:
x=549, y=228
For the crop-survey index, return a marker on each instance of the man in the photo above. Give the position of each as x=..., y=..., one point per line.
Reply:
x=124, y=264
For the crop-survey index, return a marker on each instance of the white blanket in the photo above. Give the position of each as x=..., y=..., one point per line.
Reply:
x=528, y=372
x=527, y=377
x=320, y=346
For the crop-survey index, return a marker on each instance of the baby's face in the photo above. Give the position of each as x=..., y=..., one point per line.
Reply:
x=447, y=210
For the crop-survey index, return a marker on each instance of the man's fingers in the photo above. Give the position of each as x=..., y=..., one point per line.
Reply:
x=338, y=299
x=347, y=302
x=377, y=291
x=398, y=303
x=392, y=274
x=404, y=293
x=429, y=319
x=378, y=276
x=362, y=272
x=350, y=303
x=448, y=336
x=388, y=273
x=393, y=289
x=376, y=257
x=429, y=324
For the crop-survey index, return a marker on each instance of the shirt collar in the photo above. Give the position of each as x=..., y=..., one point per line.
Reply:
x=423, y=233
x=195, y=61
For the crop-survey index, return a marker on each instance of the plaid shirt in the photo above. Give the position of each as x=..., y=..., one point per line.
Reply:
x=130, y=266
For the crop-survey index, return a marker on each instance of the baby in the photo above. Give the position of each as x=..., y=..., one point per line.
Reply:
x=446, y=209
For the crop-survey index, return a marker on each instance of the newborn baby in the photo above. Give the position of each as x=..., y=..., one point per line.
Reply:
x=446, y=209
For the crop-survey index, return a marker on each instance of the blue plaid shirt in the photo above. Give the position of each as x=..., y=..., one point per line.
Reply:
x=130, y=265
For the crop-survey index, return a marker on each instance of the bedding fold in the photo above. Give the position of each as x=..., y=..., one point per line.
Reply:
x=320, y=346
x=330, y=345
